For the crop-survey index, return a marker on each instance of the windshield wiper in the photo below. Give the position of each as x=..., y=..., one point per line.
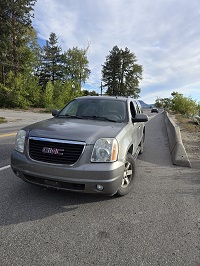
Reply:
x=93, y=117
x=71, y=116
x=99, y=118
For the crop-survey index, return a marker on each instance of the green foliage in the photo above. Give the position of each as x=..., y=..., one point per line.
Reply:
x=2, y=120
x=179, y=104
x=48, y=96
x=76, y=66
x=33, y=91
x=198, y=109
x=91, y=93
x=15, y=95
x=121, y=74
x=51, y=67
x=21, y=91
x=183, y=105
x=158, y=103
x=3, y=95
x=163, y=102
x=15, y=34
x=34, y=52
x=62, y=94
x=57, y=95
x=31, y=76
x=68, y=66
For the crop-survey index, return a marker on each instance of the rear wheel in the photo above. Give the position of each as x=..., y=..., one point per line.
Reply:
x=128, y=176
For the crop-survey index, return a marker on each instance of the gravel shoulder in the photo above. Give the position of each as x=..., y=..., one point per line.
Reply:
x=190, y=135
x=23, y=117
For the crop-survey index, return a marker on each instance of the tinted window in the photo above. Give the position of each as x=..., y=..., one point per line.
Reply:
x=96, y=107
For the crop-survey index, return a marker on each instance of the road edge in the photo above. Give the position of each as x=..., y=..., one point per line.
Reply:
x=177, y=149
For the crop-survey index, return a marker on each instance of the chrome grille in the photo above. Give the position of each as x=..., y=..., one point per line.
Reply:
x=55, y=151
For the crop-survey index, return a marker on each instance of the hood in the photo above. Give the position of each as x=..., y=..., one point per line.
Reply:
x=75, y=129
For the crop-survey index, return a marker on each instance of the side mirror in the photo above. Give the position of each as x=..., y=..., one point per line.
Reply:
x=55, y=112
x=140, y=118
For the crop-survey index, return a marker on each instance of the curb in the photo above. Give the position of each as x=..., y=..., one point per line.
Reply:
x=177, y=149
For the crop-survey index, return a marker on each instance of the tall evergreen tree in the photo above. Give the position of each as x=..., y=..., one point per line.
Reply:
x=15, y=35
x=121, y=74
x=51, y=66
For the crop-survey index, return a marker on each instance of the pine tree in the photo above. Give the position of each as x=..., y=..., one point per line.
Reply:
x=121, y=74
x=51, y=68
x=15, y=35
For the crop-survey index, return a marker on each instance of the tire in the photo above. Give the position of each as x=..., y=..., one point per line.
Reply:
x=128, y=176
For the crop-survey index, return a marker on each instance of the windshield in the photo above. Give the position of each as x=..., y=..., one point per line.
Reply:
x=101, y=109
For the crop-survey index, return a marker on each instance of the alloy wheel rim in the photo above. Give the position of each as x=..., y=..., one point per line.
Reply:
x=127, y=175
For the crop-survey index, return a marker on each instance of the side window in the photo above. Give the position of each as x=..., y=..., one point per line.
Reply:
x=132, y=109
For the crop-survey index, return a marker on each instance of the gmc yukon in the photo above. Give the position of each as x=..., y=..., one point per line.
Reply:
x=89, y=146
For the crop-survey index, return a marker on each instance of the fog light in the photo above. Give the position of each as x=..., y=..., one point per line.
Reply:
x=99, y=187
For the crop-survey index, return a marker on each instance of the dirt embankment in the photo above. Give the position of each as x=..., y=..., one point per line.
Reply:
x=190, y=134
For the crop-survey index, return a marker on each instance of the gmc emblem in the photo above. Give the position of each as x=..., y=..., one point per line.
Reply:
x=52, y=151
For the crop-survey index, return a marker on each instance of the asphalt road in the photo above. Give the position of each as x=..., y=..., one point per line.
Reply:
x=158, y=223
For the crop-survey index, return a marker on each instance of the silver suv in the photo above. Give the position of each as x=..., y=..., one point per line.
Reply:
x=89, y=146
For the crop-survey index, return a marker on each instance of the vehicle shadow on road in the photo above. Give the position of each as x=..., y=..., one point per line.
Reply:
x=24, y=202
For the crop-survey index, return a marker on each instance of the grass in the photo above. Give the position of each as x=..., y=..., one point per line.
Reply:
x=2, y=120
x=187, y=123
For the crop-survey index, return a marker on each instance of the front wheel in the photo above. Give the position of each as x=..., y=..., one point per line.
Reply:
x=128, y=176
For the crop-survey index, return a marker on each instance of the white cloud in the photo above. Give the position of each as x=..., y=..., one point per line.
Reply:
x=164, y=35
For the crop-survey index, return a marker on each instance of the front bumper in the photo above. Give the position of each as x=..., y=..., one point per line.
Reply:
x=82, y=177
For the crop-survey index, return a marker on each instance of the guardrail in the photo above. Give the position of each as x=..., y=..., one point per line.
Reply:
x=177, y=149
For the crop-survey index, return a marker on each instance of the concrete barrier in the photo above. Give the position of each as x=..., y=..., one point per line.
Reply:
x=177, y=149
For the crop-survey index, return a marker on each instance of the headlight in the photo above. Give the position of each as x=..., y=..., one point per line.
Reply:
x=105, y=150
x=20, y=140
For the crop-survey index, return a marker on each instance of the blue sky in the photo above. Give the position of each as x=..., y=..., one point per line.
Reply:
x=163, y=34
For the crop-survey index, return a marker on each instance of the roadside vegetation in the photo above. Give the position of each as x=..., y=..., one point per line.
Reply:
x=188, y=123
x=185, y=109
x=180, y=104
x=2, y=120
x=48, y=77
